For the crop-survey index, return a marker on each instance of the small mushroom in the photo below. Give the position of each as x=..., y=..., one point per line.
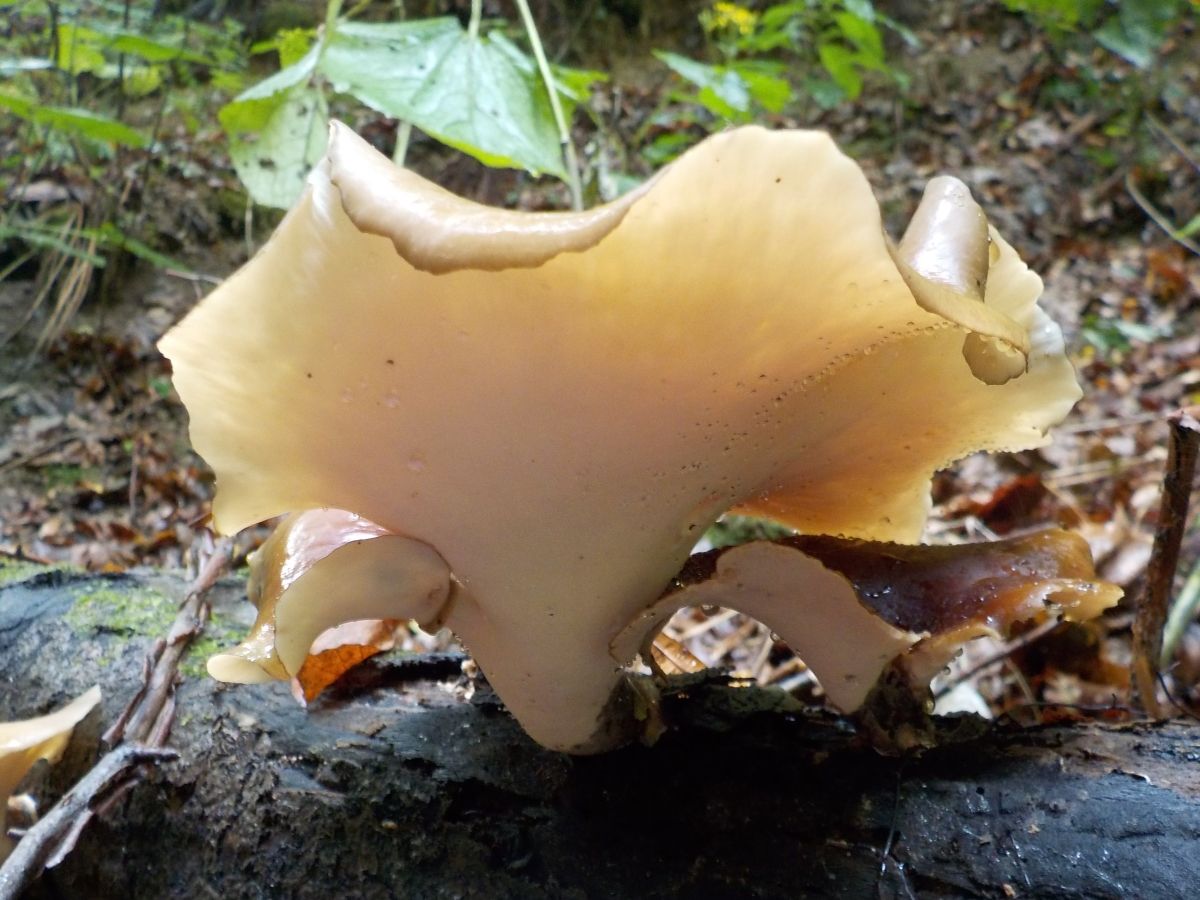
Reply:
x=542, y=413
x=24, y=742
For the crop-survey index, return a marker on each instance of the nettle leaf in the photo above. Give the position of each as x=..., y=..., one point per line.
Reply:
x=277, y=132
x=287, y=77
x=275, y=140
x=479, y=95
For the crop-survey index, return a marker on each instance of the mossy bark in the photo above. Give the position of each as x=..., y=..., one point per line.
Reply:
x=399, y=784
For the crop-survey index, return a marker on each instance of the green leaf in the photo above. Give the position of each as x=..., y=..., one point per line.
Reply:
x=862, y=34
x=841, y=64
x=826, y=93
x=18, y=105
x=667, y=146
x=275, y=140
x=110, y=235
x=863, y=9
x=1192, y=227
x=88, y=124
x=141, y=81
x=1138, y=30
x=574, y=85
x=763, y=79
x=151, y=50
x=284, y=79
x=290, y=43
x=466, y=92
x=74, y=120
x=77, y=49
x=24, y=64
x=721, y=89
x=48, y=238
x=277, y=132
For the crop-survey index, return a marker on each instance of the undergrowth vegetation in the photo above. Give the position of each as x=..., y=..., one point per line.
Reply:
x=106, y=96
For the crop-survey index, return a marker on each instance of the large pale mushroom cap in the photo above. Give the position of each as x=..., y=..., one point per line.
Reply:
x=560, y=404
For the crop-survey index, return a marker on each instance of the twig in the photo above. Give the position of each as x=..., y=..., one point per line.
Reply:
x=1169, y=136
x=1158, y=217
x=885, y=855
x=139, y=720
x=707, y=625
x=758, y=668
x=1105, y=468
x=41, y=841
x=1105, y=424
x=1020, y=643
x=1151, y=611
x=146, y=720
x=194, y=277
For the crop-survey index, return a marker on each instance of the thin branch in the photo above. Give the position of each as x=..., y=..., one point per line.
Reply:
x=1169, y=136
x=1105, y=424
x=147, y=720
x=1151, y=612
x=139, y=720
x=1029, y=637
x=1159, y=218
x=41, y=842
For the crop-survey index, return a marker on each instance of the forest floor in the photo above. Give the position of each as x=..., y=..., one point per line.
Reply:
x=1057, y=145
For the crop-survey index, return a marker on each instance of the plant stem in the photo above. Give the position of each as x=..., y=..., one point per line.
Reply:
x=564, y=134
x=403, y=132
x=1180, y=617
x=476, y=15
x=332, y=8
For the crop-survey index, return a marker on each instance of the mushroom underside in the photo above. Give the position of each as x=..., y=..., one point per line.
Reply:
x=848, y=608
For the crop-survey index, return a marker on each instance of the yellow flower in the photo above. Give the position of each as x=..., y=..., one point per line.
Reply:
x=730, y=16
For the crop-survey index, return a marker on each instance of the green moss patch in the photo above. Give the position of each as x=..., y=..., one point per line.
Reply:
x=220, y=634
x=14, y=571
x=125, y=610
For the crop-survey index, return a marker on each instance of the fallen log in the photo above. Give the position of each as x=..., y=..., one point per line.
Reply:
x=410, y=780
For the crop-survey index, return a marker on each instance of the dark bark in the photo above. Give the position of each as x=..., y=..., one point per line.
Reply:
x=397, y=785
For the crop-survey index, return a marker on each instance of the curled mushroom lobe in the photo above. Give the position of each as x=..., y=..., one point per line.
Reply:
x=24, y=742
x=519, y=424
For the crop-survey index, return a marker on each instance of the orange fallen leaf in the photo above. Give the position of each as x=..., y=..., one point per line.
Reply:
x=340, y=649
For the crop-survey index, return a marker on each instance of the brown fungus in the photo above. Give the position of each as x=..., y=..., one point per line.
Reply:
x=542, y=413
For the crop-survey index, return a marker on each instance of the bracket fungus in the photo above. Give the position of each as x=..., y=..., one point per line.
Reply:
x=519, y=424
x=24, y=742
